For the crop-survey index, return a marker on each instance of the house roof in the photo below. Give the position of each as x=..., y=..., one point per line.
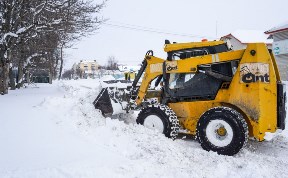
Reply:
x=278, y=28
x=88, y=61
x=250, y=36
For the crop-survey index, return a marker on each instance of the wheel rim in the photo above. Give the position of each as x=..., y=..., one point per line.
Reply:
x=219, y=133
x=154, y=122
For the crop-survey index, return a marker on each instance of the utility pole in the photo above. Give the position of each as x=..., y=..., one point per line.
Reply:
x=216, y=29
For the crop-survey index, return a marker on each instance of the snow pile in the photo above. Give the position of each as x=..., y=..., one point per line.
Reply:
x=76, y=105
x=62, y=135
x=150, y=154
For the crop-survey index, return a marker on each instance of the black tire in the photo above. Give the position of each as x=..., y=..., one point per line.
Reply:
x=221, y=142
x=167, y=116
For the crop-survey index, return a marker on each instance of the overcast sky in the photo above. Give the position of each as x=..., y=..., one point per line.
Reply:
x=177, y=20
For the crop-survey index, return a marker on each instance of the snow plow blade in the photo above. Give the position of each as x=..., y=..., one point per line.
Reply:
x=103, y=103
x=114, y=98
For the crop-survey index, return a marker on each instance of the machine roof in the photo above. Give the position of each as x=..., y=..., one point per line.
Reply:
x=180, y=46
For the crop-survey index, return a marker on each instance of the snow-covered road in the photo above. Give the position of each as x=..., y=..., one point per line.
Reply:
x=54, y=131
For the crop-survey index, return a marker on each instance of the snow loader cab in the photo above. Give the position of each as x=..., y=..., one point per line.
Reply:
x=220, y=96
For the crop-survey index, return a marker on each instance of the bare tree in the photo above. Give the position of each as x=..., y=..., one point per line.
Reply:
x=68, y=74
x=112, y=63
x=79, y=22
x=26, y=28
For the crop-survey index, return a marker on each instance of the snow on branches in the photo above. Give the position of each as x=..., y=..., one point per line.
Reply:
x=42, y=27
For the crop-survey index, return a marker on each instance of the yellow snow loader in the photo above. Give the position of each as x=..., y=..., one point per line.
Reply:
x=219, y=95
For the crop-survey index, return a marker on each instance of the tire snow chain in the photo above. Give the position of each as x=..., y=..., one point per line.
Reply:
x=172, y=118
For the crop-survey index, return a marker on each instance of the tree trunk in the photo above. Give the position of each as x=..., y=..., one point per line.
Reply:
x=4, y=70
x=61, y=62
x=11, y=79
x=27, y=76
x=50, y=71
x=4, y=76
x=50, y=77
x=11, y=75
x=20, y=81
x=51, y=68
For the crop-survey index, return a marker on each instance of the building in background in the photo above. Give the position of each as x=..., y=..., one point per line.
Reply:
x=279, y=34
x=240, y=38
x=87, y=69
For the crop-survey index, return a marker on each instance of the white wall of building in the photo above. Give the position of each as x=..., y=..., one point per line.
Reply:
x=281, y=55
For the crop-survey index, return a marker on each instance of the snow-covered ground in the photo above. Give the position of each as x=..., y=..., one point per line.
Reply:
x=54, y=131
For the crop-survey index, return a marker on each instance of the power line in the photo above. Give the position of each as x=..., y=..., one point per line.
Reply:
x=142, y=27
x=151, y=30
x=145, y=29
